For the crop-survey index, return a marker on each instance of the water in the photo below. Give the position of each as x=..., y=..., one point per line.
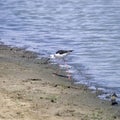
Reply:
x=91, y=28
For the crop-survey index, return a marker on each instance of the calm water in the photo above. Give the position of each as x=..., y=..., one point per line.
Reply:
x=91, y=28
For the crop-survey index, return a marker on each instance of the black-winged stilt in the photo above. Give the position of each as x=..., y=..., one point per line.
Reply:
x=61, y=54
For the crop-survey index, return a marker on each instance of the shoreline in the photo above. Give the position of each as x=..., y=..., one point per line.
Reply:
x=30, y=91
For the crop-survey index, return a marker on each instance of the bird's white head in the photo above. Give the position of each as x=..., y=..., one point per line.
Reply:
x=52, y=56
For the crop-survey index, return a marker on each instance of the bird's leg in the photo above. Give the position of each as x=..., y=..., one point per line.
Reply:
x=56, y=71
x=68, y=74
x=65, y=62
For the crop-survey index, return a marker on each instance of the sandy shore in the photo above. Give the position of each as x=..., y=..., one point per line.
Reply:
x=30, y=91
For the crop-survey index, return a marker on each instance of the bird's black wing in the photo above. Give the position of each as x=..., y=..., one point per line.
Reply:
x=63, y=51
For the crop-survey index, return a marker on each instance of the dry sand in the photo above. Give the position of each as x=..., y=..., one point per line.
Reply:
x=29, y=91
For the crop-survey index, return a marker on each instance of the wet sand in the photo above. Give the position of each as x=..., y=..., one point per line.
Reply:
x=30, y=91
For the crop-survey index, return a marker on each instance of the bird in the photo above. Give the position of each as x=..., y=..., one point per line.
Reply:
x=61, y=54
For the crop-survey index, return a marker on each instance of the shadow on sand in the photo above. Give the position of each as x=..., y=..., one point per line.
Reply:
x=59, y=75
